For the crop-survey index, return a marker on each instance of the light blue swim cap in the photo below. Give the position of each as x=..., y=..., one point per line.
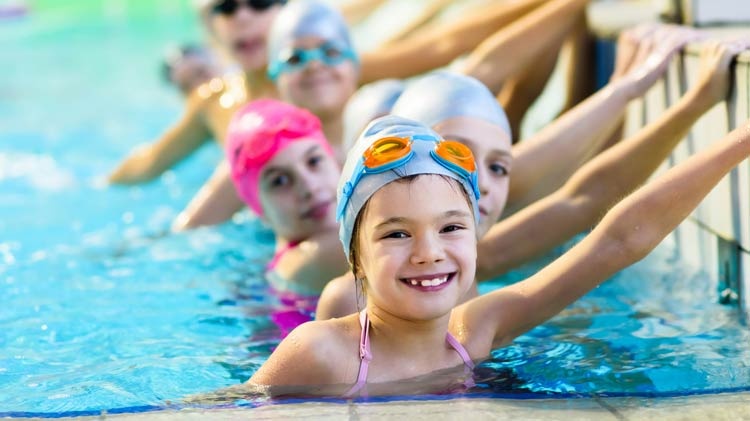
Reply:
x=368, y=103
x=357, y=185
x=303, y=18
x=441, y=95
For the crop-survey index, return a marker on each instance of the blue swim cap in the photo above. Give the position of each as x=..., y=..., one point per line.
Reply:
x=357, y=184
x=441, y=95
x=368, y=103
x=303, y=18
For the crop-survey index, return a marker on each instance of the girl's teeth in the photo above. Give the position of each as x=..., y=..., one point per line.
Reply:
x=429, y=282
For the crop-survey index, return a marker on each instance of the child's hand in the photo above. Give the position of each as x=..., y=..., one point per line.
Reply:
x=628, y=44
x=653, y=57
x=714, y=77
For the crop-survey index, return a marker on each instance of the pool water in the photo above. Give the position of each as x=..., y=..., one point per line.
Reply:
x=104, y=309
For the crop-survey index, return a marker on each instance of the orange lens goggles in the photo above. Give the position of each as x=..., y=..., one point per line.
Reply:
x=391, y=151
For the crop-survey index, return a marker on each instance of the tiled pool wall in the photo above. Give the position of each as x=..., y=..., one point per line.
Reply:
x=716, y=237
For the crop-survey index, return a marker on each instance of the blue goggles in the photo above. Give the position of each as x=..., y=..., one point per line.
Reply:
x=392, y=152
x=295, y=59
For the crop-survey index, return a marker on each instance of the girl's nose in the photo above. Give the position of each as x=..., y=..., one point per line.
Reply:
x=427, y=249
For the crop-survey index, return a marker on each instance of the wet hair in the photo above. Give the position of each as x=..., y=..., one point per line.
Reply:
x=354, y=245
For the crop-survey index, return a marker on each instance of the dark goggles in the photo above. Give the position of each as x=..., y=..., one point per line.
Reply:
x=229, y=7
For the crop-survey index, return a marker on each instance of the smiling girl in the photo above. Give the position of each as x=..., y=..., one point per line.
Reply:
x=408, y=209
x=284, y=169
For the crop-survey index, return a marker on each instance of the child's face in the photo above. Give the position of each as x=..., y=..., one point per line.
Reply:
x=417, y=247
x=244, y=33
x=298, y=191
x=321, y=88
x=491, y=147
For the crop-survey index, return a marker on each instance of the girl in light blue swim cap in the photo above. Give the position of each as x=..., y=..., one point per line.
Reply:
x=407, y=204
x=313, y=63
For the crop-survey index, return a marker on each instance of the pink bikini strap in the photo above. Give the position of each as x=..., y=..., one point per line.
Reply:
x=460, y=350
x=365, y=355
x=279, y=254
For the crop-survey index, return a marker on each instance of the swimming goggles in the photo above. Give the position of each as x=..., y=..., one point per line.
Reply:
x=392, y=152
x=295, y=59
x=229, y=7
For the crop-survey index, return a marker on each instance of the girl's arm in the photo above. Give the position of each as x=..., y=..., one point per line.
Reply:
x=605, y=179
x=355, y=11
x=214, y=203
x=627, y=233
x=515, y=47
x=438, y=47
x=148, y=162
x=544, y=162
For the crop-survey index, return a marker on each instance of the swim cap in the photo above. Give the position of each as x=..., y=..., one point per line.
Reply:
x=303, y=18
x=441, y=95
x=368, y=103
x=257, y=132
x=357, y=184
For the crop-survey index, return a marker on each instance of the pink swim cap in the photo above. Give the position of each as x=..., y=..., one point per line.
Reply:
x=257, y=132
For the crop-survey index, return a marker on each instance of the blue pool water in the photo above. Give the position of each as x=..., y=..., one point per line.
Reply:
x=102, y=309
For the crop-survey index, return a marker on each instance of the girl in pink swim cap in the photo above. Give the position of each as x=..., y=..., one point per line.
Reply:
x=293, y=192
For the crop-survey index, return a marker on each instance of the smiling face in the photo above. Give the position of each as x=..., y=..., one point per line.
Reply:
x=297, y=190
x=244, y=33
x=491, y=147
x=321, y=88
x=415, y=246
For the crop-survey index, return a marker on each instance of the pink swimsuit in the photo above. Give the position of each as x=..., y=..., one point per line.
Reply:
x=279, y=254
x=298, y=308
x=366, y=356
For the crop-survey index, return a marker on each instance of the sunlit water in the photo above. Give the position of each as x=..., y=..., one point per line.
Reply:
x=102, y=309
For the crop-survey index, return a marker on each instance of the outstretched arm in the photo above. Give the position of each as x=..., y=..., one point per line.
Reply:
x=605, y=179
x=214, y=203
x=150, y=161
x=544, y=162
x=439, y=46
x=522, y=41
x=355, y=11
x=626, y=234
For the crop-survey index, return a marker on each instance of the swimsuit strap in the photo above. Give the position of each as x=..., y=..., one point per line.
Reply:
x=468, y=363
x=279, y=254
x=460, y=350
x=365, y=355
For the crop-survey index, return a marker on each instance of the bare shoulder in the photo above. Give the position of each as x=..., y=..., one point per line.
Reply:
x=317, y=261
x=314, y=353
x=339, y=298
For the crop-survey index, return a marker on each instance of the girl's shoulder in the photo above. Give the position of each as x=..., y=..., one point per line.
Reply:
x=316, y=261
x=314, y=353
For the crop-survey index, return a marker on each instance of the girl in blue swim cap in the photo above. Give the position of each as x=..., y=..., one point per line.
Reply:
x=408, y=210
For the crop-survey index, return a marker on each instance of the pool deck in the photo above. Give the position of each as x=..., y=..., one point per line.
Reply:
x=704, y=407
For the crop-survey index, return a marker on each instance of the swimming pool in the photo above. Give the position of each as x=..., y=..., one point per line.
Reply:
x=103, y=310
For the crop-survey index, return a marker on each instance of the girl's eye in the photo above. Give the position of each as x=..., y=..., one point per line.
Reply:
x=498, y=169
x=293, y=58
x=314, y=161
x=452, y=228
x=280, y=181
x=332, y=52
x=396, y=235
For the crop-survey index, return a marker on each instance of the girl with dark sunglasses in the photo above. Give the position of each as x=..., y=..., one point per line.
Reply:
x=241, y=30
